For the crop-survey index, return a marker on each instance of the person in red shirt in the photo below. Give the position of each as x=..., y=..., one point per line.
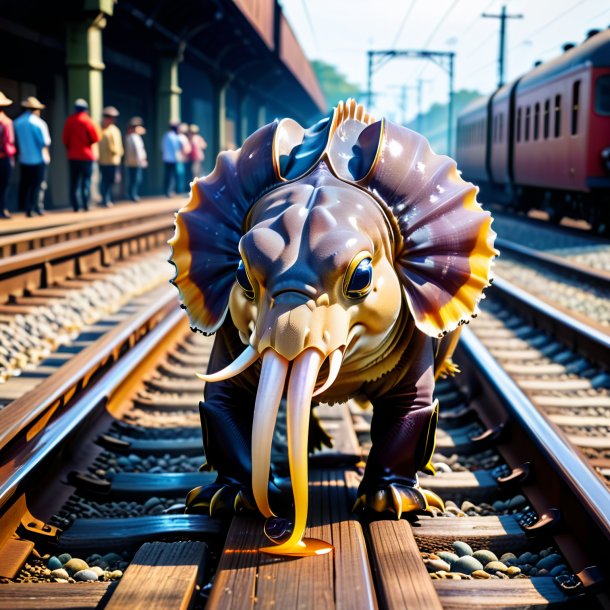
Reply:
x=79, y=136
x=7, y=153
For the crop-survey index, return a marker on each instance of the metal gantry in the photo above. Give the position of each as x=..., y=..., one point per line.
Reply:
x=443, y=59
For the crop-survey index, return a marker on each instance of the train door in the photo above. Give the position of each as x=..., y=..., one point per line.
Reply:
x=576, y=104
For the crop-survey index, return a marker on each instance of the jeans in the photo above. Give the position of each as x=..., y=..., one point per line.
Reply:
x=30, y=182
x=170, y=178
x=134, y=177
x=6, y=168
x=80, y=183
x=108, y=173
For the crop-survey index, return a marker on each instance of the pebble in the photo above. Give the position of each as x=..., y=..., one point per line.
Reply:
x=496, y=566
x=75, y=565
x=480, y=574
x=54, y=563
x=549, y=562
x=560, y=569
x=115, y=574
x=508, y=557
x=525, y=557
x=513, y=571
x=151, y=502
x=442, y=467
x=97, y=571
x=466, y=564
x=438, y=564
x=499, y=505
x=112, y=558
x=462, y=548
x=485, y=556
x=85, y=575
x=60, y=573
x=516, y=502
x=450, y=558
x=466, y=506
x=64, y=558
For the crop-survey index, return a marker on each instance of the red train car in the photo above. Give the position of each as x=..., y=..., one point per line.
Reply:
x=547, y=140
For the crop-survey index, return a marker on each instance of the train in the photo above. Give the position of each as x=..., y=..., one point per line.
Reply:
x=543, y=140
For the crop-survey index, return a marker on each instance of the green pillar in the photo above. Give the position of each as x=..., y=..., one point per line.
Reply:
x=262, y=116
x=219, y=116
x=84, y=56
x=168, y=110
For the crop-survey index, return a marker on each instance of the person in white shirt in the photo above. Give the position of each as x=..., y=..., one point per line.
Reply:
x=33, y=141
x=136, y=159
x=172, y=155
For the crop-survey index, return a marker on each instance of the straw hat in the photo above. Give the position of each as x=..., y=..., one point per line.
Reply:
x=32, y=103
x=110, y=111
x=4, y=101
x=81, y=103
x=136, y=121
x=194, y=128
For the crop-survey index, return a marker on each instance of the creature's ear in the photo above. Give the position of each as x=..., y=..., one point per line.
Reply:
x=208, y=229
x=444, y=260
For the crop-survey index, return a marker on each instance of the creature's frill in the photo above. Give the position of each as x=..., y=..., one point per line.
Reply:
x=208, y=229
x=444, y=261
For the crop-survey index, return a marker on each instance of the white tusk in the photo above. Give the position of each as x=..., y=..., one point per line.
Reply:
x=334, y=364
x=300, y=389
x=241, y=363
x=268, y=397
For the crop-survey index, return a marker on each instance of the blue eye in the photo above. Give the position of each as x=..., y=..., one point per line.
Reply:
x=243, y=280
x=359, y=284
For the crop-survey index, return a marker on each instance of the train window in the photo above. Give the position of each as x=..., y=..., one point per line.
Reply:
x=536, y=121
x=518, y=130
x=547, y=118
x=575, y=103
x=602, y=95
x=557, y=116
x=527, y=124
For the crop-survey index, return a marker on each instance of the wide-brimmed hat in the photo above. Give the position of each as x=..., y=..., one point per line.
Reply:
x=4, y=101
x=194, y=128
x=81, y=103
x=32, y=103
x=136, y=121
x=110, y=111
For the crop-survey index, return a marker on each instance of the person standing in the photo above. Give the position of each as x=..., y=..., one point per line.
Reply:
x=33, y=142
x=7, y=153
x=136, y=159
x=111, y=153
x=184, y=164
x=79, y=136
x=198, y=146
x=172, y=155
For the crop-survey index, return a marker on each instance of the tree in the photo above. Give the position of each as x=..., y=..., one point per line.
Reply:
x=335, y=85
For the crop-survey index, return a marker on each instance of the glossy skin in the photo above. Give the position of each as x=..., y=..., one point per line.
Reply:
x=361, y=254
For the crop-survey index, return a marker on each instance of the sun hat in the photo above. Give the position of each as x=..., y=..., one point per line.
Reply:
x=110, y=111
x=4, y=101
x=32, y=103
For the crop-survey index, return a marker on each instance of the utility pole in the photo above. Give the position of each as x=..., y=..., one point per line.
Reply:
x=502, y=17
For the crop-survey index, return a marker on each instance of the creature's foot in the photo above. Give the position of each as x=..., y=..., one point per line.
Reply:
x=223, y=498
x=399, y=499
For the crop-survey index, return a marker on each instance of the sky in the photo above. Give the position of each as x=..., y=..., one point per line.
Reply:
x=341, y=32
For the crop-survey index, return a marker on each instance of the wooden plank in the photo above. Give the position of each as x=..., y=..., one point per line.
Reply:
x=247, y=579
x=401, y=577
x=555, y=385
x=573, y=402
x=498, y=534
x=53, y=595
x=466, y=485
x=162, y=575
x=591, y=442
x=538, y=592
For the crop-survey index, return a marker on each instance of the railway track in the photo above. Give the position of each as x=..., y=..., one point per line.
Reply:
x=99, y=446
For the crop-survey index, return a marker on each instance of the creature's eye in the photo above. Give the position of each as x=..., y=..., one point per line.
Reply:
x=241, y=275
x=359, y=277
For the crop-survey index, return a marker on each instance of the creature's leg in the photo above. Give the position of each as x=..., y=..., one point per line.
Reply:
x=403, y=431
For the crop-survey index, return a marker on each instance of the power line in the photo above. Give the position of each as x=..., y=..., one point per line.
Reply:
x=313, y=31
x=402, y=23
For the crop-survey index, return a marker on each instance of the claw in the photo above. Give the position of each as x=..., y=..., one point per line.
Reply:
x=433, y=499
x=217, y=503
x=397, y=499
x=359, y=503
x=195, y=503
x=243, y=504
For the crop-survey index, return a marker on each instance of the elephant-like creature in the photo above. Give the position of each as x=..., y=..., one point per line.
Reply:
x=347, y=255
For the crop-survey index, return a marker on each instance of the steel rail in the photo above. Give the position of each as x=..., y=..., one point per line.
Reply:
x=586, y=340
x=582, y=480
x=51, y=392
x=46, y=442
x=557, y=263
x=14, y=243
